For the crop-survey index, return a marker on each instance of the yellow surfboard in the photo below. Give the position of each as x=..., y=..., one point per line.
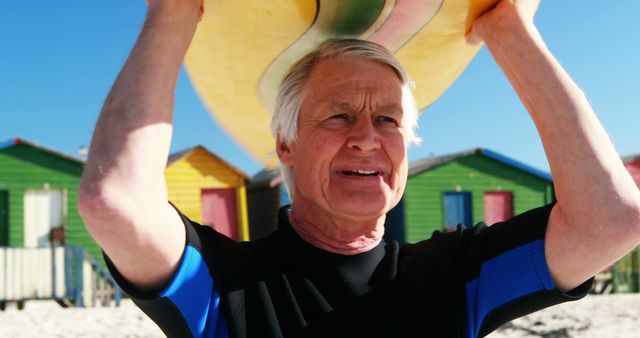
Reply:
x=242, y=49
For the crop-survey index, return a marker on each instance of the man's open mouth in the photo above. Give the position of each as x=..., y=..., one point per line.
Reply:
x=361, y=172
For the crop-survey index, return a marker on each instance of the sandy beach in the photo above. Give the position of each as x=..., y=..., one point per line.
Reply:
x=47, y=319
x=613, y=316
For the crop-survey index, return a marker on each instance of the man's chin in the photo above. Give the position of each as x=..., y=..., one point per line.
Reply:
x=361, y=209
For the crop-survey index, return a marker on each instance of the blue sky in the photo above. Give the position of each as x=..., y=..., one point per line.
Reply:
x=58, y=60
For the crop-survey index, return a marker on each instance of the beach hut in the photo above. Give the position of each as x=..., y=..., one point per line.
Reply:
x=209, y=190
x=45, y=250
x=468, y=187
x=632, y=163
x=625, y=274
x=38, y=191
x=265, y=196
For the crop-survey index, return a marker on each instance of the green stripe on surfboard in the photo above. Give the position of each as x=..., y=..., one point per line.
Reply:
x=348, y=18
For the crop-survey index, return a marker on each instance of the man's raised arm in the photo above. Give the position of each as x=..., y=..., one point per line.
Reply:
x=123, y=195
x=597, y=217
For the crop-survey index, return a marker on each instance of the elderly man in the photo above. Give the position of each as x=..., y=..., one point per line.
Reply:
x=343, y=122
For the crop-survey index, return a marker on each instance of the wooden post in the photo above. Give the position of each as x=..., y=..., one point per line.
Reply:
x=243, y=218
x=79, y=276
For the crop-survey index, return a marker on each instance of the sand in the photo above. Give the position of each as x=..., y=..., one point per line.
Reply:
x=47, y=319
x=612, y=316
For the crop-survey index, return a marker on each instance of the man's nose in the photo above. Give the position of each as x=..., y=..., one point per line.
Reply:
x=364, y=136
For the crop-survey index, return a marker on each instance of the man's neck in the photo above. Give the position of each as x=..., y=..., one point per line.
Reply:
x=345, y=237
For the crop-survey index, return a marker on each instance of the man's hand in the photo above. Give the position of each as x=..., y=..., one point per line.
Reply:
x=503, y=14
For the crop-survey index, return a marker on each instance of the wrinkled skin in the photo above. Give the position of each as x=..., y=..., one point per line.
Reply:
x=351, y=119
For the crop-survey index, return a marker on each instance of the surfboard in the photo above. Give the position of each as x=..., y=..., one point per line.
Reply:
x=242, y=49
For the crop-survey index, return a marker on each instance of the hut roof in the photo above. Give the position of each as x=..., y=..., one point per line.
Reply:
x=16, y=141
x=266, y=177
x=423, y=165
x=186, y=152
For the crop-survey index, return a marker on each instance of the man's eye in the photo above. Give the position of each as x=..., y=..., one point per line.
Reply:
x=387, y=119
x=340, y=116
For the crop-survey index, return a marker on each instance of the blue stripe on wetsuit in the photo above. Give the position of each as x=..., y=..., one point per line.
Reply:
x=512, y=275
x=191, y=291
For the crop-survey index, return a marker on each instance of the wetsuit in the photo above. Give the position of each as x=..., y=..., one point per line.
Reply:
x=459, y=284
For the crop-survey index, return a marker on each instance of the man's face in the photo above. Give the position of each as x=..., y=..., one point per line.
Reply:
x=350, y=156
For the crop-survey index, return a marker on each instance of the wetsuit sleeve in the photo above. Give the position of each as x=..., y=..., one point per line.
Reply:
x=506, y=273
x=189, y=306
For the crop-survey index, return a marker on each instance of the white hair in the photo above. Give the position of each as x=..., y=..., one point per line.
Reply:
x=284, y=122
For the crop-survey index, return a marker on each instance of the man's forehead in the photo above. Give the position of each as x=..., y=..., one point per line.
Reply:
x=349, y=78
x=349, y=104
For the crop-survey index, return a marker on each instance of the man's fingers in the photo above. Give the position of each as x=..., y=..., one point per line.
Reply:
x=472, y=38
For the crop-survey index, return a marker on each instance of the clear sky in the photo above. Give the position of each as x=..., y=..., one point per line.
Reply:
x=58, y=60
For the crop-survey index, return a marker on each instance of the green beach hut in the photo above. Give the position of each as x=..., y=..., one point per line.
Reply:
x=467, y=187
x=38, y=191
x=45, y=251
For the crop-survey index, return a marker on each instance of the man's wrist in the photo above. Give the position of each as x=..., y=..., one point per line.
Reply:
x=181, y=12
x=506, y=30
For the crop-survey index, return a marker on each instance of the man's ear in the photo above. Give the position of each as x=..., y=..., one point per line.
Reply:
x=284, y=152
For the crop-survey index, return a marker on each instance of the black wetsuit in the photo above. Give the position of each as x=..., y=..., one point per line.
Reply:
x=458, y=284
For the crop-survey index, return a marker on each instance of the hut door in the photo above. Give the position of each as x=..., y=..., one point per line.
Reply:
x=498, y=206
x=43, y=211
x=219, y=210
x=457, y=209
x=4, y=217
